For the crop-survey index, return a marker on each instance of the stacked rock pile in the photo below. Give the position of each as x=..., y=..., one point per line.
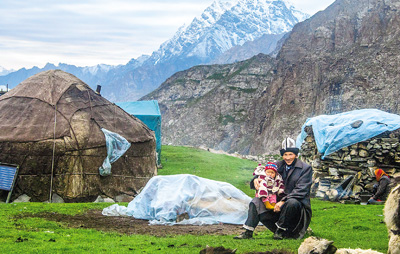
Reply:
x=348, y=172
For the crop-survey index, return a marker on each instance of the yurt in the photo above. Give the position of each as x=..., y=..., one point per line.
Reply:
x=61, y=134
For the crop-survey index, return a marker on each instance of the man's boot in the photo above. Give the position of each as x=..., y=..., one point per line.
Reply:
x=248, y=234
x=279, y=234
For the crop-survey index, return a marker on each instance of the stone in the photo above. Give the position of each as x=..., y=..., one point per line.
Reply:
x=333, y=172
x=363, y=153
x=123, y=198
x=109, y=200
x=309, y=139
x=369, y=187
x=323, y=188
x=347, y=158
x=390, y=140
x=332, y=157
x=337, y=162
x=55, y=198
x=357, y=189
x=377, y=146
x=332, y=194
x=320, y=194
x=23, y=198
x=363, y=146
x=346, y=171
x=372, y=162
x=390, y=171
x=371, y=171
x=99, y=199
x=354, y=152
x=316, y=163
x=356, y=124
x=358, y=159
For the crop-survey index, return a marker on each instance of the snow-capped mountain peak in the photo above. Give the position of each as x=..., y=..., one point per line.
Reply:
x=225, y=24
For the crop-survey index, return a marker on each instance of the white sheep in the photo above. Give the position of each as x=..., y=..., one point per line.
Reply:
x=315, y=245
x=392, y=220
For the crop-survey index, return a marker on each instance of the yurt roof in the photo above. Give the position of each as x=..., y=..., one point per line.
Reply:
x=54, y=103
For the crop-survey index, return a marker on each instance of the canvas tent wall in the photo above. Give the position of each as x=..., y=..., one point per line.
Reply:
x=149, y=113
x=51, y=126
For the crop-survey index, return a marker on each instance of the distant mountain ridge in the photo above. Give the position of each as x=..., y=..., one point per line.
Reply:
x=223, y=25
x=4, y=71
x=343, y=58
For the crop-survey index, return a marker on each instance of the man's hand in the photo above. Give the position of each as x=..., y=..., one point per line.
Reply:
x=278, y=206
x=257, y=183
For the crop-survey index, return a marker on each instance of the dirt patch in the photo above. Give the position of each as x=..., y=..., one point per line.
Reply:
x=222, y=250
x=93, y=219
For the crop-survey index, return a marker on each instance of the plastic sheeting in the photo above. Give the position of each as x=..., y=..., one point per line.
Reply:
x=205, y=201
x=333, y=132
x=116, y=147
x=149, y=113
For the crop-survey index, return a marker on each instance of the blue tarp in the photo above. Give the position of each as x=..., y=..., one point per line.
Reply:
x=205, y=201
x=333, y=132
x=149, y=113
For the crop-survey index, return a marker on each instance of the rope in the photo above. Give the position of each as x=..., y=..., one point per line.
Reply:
x=54, y=149
x=88, y=174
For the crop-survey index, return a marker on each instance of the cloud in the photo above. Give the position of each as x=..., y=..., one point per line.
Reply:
x=88, y=32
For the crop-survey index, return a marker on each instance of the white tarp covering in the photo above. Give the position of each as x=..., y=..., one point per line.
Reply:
x=116, y=147
x=205, y=201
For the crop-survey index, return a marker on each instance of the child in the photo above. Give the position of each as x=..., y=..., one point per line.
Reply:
x=271, y=185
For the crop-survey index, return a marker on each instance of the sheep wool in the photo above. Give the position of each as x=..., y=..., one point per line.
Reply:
x=392, y=220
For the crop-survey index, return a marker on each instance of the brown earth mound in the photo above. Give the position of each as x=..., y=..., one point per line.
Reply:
x=93, y=219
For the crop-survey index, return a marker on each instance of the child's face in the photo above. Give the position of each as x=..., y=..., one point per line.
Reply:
x=270, y=173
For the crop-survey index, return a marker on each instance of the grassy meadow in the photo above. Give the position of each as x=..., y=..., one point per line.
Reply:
x=349, y=226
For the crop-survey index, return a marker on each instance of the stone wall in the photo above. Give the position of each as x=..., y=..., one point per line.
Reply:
x=356, y=163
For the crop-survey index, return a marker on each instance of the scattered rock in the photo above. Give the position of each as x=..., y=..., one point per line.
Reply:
x=123, y=198
x=101, y=199
x=109, y=200
x=357, y=124
x=20, y=240
x=56, y=198
x=181, y=217
x=23, y=198
x=216, y=250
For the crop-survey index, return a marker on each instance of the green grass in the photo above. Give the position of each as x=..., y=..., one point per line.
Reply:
x=184, y=160
x=349, y=226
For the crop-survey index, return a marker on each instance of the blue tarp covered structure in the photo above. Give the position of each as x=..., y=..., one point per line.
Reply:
x=149, y=113
x=333, y=132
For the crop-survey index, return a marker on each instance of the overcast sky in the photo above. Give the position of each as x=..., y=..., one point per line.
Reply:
x=90, y=32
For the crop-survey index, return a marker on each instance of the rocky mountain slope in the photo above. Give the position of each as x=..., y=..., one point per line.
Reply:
x=341, y=59
x=266, y=44
x=209, y=105
x=223, y=25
